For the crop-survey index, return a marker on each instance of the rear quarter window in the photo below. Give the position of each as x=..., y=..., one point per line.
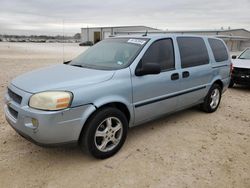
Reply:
x=219, y=50
x=193, y=51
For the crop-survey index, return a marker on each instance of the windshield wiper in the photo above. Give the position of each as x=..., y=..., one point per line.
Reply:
x=66, y=62
x=76, y=65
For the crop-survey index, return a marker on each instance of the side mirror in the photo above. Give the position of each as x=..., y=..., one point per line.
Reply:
x=148, y=68
x=234, y=56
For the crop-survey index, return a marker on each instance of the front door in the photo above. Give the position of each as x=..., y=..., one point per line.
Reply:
x=153, y=95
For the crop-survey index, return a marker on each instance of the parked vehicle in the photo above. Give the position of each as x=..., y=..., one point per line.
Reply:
x=241, y=69
x=88, y=43
x=116, y=84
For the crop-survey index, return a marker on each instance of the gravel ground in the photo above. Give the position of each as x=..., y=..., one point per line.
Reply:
x=186, y=149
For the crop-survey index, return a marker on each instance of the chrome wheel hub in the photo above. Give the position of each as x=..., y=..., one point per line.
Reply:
x=108, y=134
x=215, y=98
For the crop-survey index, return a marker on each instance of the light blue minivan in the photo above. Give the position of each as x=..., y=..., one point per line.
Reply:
x=118, y=83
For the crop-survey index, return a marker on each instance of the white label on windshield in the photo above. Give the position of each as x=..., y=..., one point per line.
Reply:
x=119, y=62
x=137, y=41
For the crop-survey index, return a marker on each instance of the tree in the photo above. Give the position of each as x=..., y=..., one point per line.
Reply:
x=77, y=36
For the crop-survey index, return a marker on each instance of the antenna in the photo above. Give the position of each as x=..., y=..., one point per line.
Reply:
x=145, y=34
x=63, y=38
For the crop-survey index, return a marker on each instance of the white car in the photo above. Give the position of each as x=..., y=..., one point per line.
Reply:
x=241, y=69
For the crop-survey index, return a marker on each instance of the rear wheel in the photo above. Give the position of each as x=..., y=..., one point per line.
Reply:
x=212, y=100
x=105, y=133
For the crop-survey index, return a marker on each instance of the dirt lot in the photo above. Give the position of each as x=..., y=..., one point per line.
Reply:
x=187, y=149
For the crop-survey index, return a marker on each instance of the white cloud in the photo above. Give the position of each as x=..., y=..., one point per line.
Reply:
x=46, y=16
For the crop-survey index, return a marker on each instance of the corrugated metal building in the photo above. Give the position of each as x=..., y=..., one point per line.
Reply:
x=236, y=39
x=95, y=34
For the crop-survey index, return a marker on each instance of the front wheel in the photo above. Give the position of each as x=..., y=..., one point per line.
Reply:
x=212, y=100
x=105, y=133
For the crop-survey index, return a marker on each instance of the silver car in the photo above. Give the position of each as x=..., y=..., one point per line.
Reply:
x=118, y=83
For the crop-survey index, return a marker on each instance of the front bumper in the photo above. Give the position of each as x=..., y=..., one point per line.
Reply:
x=241, y=76
x=55, y=127
x=241, y=79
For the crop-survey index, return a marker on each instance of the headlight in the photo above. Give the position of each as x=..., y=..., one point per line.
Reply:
x=51, y=100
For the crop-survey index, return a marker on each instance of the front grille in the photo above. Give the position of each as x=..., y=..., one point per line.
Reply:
x=13, y=112
x=15, y=97
x=241, y=71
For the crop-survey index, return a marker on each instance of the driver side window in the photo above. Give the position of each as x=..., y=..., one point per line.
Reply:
x=161, y=52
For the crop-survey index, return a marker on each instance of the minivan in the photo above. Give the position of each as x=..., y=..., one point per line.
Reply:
x=118, y=83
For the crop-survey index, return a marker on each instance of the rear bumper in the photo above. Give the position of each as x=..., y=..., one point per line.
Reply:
x=225, y=82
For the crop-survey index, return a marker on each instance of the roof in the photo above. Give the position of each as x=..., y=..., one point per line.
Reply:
x=213, y=33
x=192, y=31
x=232, y=37
x=131, y=26
x=206, y=31
x=156, y=36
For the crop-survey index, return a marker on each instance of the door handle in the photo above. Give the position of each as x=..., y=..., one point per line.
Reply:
x=175, y=76
x=185, y=74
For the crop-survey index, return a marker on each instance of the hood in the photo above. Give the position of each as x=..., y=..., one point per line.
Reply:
x=241, y=63
x=61, y=77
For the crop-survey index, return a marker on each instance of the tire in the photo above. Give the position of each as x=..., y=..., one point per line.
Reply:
x=231, y=84
x=104, y=133
x=207, y=105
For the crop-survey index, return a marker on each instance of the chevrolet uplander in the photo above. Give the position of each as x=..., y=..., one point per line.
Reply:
x=118, y=83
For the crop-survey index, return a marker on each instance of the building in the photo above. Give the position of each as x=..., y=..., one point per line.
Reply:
x=95, y=34
x=236, y=39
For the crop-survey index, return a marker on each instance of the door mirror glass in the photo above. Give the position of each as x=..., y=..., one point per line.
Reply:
x=148, y=68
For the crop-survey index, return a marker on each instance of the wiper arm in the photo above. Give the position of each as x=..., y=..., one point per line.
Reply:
x=76, y=65
x=82, y=66
x=66, y=62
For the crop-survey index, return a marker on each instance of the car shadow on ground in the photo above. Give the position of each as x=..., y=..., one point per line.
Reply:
x=164, y=120
x=241, y=87
x=74, y=153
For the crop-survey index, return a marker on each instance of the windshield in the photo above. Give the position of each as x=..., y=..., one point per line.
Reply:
x=110, y=54
x=245, y=54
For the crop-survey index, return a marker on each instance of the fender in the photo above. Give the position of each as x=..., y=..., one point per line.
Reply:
x=116, y=99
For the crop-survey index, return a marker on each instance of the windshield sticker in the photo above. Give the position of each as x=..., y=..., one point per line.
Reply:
x=136, y=41
x=119, y=62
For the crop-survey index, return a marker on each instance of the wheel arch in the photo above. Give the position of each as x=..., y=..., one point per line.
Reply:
x=219, y=82
x=121, y=105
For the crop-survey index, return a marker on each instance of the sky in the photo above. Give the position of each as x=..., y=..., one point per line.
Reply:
x=57, y=17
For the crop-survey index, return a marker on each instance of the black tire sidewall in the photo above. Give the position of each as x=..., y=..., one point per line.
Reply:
x=206, y=104
x=92, y=125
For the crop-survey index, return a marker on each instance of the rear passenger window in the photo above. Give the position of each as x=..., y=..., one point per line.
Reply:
x=193, y=51
x=219, y=50
x=161, y=52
